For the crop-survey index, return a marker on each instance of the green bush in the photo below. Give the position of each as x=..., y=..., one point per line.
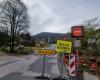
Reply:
x=26, y=50
x=5, y=49
x=17, y=50
x=99, y=70
x=23, y=50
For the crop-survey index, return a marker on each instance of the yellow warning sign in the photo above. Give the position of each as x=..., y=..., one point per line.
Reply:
x=45, y=52
x=64, y=46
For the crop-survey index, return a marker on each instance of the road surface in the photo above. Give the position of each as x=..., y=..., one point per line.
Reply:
x=30, y=66
x=27, y=67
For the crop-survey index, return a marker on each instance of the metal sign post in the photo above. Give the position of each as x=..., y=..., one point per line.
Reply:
x=62, y=63
x=43, y=68
x=62, y=69
x=44, y=52
x=63, y=47
x=77, y=32
x=43, y=71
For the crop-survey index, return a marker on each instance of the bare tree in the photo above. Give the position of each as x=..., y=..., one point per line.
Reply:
x=14, y=18
x=91, y=36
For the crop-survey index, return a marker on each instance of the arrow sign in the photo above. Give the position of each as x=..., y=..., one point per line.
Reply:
x=45, y=52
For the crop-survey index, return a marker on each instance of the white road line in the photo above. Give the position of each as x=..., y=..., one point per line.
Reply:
x=30, y=73
x=55, y=70
x=6, y=61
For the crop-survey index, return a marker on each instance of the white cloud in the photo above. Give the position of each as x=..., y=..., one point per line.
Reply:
x=59, y=15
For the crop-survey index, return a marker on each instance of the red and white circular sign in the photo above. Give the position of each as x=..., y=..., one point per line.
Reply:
x=77, y=31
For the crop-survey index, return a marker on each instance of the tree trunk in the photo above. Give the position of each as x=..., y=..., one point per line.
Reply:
x=12, y=31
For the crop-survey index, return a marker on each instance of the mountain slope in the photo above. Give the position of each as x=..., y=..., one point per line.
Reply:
x=52, y=37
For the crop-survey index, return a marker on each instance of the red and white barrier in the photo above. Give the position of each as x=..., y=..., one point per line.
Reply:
x=72, y=66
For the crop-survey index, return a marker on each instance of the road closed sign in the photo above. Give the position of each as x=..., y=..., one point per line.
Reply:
x=64, y=46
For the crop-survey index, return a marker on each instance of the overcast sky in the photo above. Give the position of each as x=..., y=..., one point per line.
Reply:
x=60, y=15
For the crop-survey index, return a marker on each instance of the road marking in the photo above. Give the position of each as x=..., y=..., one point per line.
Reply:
x=55, y=70
x=30, y=73
x=53, y=61
x=8, y=62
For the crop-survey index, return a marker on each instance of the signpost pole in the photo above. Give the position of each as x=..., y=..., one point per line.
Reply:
x=43, y=69
x=77, y=55
x=44, y=52
x=77, y=32
x=62, y=63
x=63, y=47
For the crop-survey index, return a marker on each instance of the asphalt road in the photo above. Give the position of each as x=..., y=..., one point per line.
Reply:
x=27, y=67
x=30, y=66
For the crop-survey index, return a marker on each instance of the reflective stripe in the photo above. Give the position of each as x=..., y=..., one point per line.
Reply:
x=72, y=67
